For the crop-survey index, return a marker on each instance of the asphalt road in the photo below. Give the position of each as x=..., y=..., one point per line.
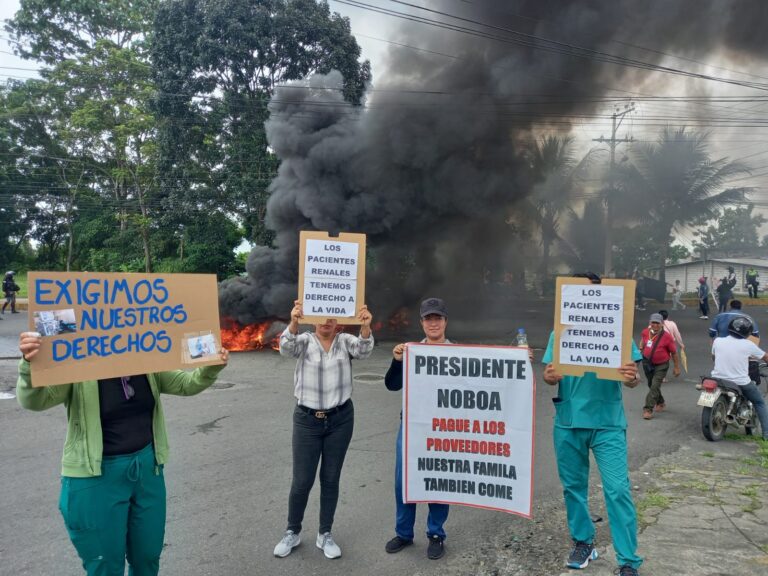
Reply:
x=229, y=473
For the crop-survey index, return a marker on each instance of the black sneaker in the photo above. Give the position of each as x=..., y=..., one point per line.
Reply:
x=435, y=549
x=626, y=570
x=397, y=544
x=581, y=554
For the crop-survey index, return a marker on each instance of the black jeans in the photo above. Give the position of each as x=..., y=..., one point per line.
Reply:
x=316, y=439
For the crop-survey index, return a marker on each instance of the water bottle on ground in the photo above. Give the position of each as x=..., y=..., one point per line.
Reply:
x=522, y=338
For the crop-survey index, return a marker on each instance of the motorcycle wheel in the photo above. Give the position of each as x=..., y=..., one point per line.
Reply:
x=713, y=422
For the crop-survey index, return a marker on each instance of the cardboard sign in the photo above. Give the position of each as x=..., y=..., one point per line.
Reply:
x=468, y=426
x=102, y=325
x=331, y=276
x=593, y=326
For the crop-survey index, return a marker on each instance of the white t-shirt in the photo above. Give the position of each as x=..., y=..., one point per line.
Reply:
x=732, y=358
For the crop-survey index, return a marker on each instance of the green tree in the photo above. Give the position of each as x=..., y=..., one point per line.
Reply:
x=15, y=210
x=216, y=65
x=32, y=188
x=735, y=232
x=679, y=184
x=54, y=31
x=637, y=249
x=90, y=116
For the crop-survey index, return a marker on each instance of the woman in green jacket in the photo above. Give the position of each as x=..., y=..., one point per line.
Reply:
x=112, y=485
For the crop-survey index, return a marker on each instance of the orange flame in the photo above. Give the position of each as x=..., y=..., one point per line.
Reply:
x=399, y=320
x=238, y=338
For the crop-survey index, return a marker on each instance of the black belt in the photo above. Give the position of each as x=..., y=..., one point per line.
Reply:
x=321, y=414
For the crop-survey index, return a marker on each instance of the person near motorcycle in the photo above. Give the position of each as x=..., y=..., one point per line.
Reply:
x=658, y=347
x=731, y=355
x=721, y=323
x=719, y=328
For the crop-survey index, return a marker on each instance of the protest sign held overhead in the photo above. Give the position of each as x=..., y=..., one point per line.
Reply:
x=102, y=325
x=593, y=326
x=331, y=276
x=468, y=422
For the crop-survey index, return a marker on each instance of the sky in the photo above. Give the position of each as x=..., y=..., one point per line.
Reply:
x=381, y=38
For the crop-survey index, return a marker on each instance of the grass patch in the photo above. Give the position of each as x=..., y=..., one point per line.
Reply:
x=762, y=452
x=750, y=461
x=738, y=437
x=697, y=485
x=652, y=499
x=752, y=507
x=21, y=280
x=708, y=454
x=751, y=492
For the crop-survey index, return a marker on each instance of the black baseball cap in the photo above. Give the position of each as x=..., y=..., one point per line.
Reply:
x=433, y=306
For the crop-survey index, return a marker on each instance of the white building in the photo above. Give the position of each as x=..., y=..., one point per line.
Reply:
x=714, y=269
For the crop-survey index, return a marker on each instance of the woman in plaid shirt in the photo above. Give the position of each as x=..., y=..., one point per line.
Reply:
x=323, y=419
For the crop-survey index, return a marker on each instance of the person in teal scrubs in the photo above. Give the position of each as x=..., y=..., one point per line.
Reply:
x=589, y=415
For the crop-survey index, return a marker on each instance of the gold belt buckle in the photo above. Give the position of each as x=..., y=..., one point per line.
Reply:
x=321, y=414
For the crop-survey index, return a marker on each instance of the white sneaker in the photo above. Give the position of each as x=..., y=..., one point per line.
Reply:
x=328, y=546
x=287, y=544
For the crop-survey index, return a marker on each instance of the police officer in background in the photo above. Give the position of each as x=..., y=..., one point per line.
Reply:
x=10, y=288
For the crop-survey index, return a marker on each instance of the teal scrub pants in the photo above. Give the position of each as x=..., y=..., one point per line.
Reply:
x=117, y=516
x=609, y=447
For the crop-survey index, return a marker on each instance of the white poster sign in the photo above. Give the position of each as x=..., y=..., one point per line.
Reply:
x=330, y=278
x=468, y=417
x=593, y=317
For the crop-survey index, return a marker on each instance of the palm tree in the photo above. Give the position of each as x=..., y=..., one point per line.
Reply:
x=557, y=174
x=678, y=183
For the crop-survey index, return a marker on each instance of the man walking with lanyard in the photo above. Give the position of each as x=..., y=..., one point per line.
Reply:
x=658, y=347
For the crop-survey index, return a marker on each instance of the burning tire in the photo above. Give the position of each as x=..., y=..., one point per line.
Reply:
x=713, y=423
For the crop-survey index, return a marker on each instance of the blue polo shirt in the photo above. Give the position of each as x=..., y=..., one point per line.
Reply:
x=588, y=401
x=719, y=327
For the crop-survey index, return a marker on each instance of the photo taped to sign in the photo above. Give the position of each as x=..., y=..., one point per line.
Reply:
x=54, y=322
x=199, y=347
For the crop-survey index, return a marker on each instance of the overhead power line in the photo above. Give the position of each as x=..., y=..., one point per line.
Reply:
x=514, y=37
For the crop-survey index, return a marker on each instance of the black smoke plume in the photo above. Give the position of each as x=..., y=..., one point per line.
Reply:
x=431, y=167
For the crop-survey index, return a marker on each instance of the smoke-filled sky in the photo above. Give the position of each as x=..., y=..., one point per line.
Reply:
x=431, y=167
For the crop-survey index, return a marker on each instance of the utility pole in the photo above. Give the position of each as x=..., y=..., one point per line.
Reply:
x=617, y=117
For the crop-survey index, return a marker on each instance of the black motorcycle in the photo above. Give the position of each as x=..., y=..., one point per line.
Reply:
x=724, y=405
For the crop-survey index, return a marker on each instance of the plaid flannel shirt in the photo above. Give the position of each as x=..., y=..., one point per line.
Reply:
x=323, y=380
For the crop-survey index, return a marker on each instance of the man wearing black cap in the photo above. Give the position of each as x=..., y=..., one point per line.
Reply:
x=434, y=319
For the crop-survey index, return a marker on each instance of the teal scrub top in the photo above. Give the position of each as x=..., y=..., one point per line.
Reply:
x=588, y=401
